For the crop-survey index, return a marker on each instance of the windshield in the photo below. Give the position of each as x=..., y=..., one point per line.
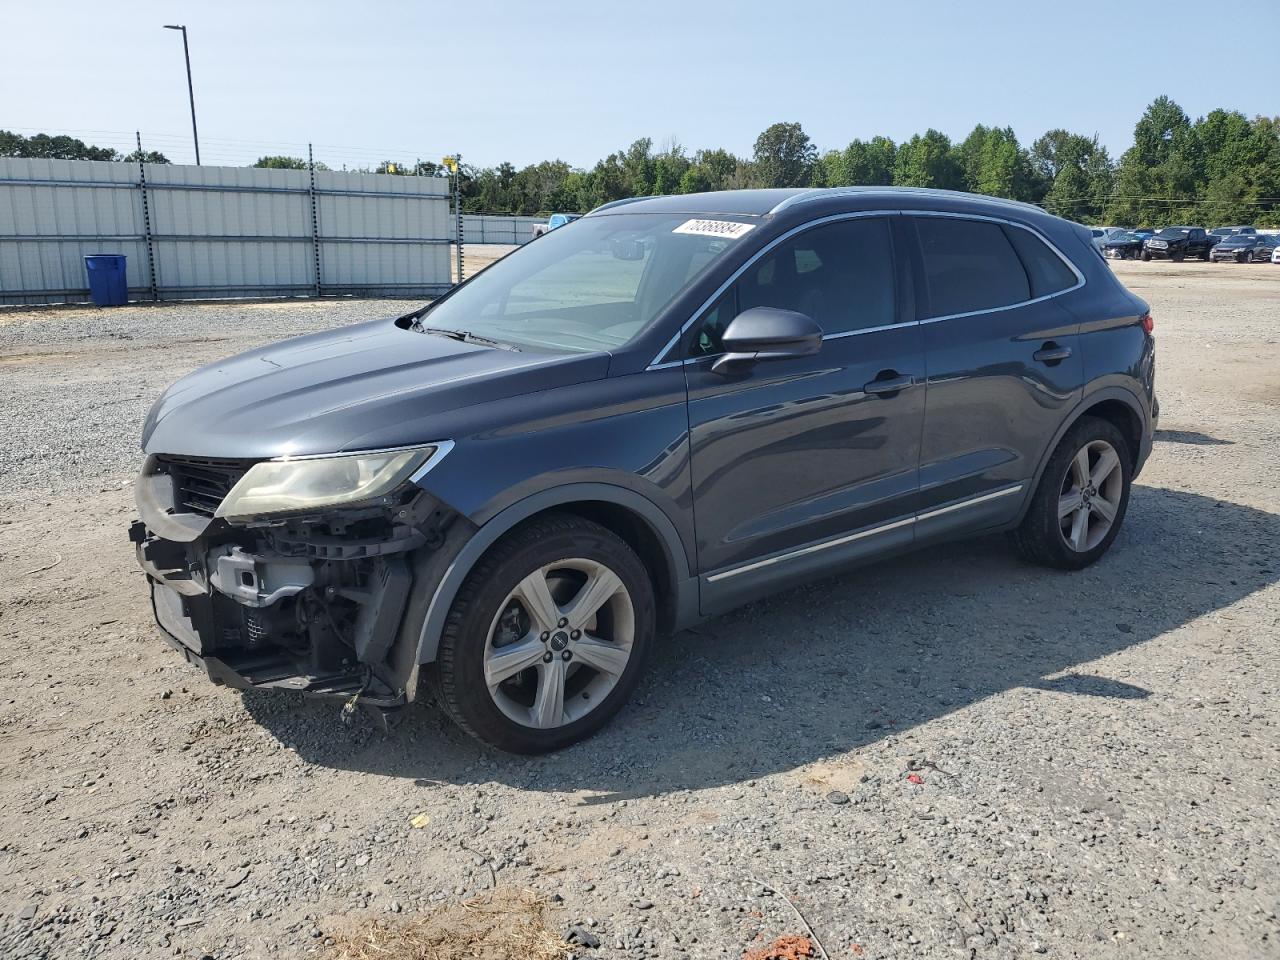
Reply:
x=1172, y=233
x=590, y=285
x=1238, y=240
x=1124, y=237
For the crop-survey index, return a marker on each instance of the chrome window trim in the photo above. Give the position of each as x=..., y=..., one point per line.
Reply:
x=659, y=364
x=1080, y=280
x=852, y=215
x=863, y=534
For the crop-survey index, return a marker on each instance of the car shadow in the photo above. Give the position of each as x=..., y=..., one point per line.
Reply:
x=829, y=667
x=1192, y=437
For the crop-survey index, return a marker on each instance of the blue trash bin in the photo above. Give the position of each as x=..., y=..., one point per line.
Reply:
x=108, y=283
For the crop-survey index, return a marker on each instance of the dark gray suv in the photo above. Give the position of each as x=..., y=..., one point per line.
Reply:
x=649, y=416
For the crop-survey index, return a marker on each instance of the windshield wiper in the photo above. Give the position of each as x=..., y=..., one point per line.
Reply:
x=466, y=336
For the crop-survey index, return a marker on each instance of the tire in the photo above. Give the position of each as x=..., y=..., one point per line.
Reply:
x=1041, y=537
x=1206, y=254
x=1177, y=257
x=1146, y=256
x=490, y=615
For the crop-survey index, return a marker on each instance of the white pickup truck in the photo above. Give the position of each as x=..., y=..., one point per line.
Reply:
x=557, y=220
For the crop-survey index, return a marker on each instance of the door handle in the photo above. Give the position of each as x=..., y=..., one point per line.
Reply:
x=1051, y=354
x=888, y=382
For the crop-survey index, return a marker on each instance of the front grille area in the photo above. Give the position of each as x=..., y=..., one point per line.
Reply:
x=201, y=483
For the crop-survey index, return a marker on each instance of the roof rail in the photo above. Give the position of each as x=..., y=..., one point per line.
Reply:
x=618, y=203
x=820, y=193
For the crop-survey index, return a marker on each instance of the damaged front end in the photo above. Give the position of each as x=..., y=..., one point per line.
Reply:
x=313, y=600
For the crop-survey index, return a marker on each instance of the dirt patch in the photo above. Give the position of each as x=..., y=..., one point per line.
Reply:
x=784, y=948
x=505, y=925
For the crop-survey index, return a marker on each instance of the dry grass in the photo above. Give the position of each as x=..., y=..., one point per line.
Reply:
x=503, y=925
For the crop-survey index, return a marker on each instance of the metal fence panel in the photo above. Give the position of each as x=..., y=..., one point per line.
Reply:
x=491, y=228
x=56, y=213
x=220, y=231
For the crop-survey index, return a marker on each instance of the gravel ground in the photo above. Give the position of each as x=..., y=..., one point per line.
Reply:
x=946, y=755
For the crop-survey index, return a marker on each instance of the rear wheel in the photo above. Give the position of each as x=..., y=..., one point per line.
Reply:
x=1078, y=507
x=547, y=637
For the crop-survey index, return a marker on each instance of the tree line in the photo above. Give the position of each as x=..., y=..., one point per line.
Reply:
x=1222, y=168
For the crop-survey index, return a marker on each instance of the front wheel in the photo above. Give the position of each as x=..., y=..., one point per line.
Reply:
x=547, y=637
x=1076, y=511
x=1146, y=256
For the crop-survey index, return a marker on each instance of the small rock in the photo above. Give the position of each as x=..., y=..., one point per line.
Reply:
x=28, y=912
x=838, y=797
x=642, y=904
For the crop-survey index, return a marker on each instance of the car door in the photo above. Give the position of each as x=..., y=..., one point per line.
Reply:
x=800, y=463
x=1004, y=366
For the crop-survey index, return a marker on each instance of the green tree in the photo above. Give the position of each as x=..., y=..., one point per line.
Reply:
x=713, y=170
x=146, y=156
x=861, y=163
x=59, y=147
x=784, y=156
x=1078, y=173
x=1156, y=178
x=281, y=163
x=927, y=161
x=669, y=168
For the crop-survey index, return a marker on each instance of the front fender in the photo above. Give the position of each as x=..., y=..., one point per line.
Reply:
x=469, y=547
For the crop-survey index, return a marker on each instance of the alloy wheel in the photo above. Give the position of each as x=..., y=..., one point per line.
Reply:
x=559, y=643
x=1090, y=496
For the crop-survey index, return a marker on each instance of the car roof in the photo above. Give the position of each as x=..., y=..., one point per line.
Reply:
x=760, y=203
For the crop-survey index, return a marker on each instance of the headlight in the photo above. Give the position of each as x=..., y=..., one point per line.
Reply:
x=289, y=486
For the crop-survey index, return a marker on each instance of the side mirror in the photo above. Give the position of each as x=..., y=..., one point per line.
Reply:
x=766, y=333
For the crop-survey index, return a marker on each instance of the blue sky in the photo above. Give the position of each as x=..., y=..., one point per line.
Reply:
x=577, y=80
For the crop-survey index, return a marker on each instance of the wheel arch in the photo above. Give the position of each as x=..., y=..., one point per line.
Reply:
x=1116, y=405
x=633, y=517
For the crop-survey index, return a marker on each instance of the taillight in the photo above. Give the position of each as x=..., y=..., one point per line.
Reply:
x=1148, y=322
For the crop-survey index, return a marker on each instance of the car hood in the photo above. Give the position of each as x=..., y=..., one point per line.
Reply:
x=324, y=392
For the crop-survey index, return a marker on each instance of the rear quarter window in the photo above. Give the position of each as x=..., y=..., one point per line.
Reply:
x=969, y=265
x=1045, y=269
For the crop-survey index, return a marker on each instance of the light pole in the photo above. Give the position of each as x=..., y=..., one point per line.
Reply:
x=191, y=92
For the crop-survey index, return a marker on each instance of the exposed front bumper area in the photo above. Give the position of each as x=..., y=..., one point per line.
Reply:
x=312, y=603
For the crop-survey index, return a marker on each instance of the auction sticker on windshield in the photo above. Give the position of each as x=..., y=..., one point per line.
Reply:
x=727, y=229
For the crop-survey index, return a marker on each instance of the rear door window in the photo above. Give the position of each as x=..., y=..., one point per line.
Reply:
x=969, y=265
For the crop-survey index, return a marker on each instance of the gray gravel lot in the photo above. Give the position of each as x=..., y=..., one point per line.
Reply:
x=947, y=755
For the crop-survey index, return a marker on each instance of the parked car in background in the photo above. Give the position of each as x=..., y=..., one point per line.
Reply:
x=1275, y=254
x=513, y=490
x=1223, y=232
x=1101, y=235
x=1244, y=248
x=1124, y=245
x=557, y=220
x=1178, y=243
